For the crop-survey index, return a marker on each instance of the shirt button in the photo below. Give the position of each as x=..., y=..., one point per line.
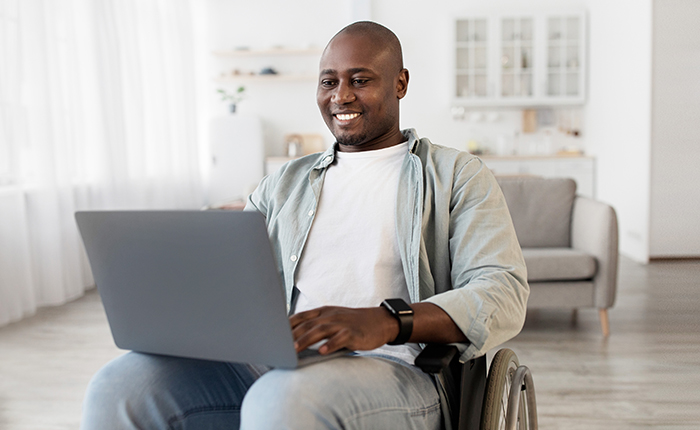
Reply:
x=293, y=258
x=311, y=212
x=327, y=159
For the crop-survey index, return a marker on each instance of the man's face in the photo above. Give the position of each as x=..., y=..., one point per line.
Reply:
x=358, y=93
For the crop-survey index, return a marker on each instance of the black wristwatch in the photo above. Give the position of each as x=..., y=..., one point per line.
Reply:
x=404, y=313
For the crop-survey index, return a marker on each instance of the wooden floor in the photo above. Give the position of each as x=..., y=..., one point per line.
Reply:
x=645, y=375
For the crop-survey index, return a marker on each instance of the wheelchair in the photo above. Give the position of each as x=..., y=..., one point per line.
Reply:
x=505, y=399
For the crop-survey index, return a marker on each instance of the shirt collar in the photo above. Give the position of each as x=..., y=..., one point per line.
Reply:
x=413, y=139
x=326, y=158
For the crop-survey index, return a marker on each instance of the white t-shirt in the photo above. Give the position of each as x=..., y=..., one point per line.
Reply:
x=351, y=257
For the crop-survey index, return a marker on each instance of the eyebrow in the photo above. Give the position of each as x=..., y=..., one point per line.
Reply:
x=351, y=71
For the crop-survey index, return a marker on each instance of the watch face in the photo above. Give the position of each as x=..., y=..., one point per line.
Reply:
x=398, y=306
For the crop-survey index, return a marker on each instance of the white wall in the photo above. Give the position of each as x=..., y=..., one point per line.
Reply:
x=618, y=114
x=291, y=107
x=675, y=149
x=285, y=107
x=654, y=202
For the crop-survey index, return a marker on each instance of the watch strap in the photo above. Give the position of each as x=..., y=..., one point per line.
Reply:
x=400, y=310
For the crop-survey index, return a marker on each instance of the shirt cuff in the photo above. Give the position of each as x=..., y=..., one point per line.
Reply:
x=475, y=328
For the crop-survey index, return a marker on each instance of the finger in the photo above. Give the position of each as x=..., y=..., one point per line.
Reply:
x=317, y=318
x=304, y=326
x=317, y=333
x=340, y=340
x=299, y=318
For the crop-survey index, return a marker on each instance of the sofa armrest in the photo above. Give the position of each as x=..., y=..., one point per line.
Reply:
x=594, y=231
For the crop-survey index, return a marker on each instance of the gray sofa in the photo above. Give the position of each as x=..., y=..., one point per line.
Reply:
x=570, y=244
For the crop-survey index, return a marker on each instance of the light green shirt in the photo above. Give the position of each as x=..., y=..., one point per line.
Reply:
x=456, y=238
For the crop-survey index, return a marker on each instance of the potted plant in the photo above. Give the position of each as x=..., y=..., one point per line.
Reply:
x=232, y=97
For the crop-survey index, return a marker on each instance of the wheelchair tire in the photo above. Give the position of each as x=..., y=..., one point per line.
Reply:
x=499, y=380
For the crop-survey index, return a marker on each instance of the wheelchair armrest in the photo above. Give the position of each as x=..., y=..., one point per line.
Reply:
x=464, y=383
x=436, y=357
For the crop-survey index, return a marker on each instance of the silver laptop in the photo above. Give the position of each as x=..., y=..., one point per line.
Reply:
x=198, y=284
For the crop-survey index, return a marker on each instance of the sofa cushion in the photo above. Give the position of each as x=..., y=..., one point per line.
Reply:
x=558, y=264
x=541, y=210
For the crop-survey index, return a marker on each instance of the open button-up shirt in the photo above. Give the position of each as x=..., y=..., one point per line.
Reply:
x=458, y=246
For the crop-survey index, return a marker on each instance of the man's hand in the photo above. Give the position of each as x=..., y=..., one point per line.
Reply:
x=352, y=328
x=365, y=329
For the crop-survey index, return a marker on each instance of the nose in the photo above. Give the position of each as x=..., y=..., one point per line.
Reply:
x=343, y=94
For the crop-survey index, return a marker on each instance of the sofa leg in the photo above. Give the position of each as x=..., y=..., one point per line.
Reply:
x=574, y=317
x=604, y=323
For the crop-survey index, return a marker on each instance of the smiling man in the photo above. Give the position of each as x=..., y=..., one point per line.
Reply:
x=384, y=242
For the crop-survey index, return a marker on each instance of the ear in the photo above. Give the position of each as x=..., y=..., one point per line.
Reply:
x=402, y=84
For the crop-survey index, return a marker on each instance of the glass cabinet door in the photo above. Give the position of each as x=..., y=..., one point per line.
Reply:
x=529, y=58
x=472, y=58
x=564, y=56
x=517, y=57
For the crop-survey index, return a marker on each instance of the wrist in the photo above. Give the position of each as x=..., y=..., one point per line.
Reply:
x=391, y=325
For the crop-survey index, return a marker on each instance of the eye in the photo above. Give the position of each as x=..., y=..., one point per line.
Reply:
x=327, y=83
x=360, y=81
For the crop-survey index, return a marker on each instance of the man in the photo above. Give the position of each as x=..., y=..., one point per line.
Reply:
x=381, y=215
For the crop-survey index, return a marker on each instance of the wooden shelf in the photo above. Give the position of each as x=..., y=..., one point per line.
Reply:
x=267, y=52
x=266, y=78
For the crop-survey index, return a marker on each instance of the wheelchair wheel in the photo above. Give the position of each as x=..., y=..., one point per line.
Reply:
x=499, y=381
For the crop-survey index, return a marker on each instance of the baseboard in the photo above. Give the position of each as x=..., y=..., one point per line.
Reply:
x=675, y=258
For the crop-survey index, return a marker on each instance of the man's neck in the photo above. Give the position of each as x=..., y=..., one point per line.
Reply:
x=384, y=141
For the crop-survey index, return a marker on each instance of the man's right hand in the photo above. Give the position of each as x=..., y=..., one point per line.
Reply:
x=358, y=329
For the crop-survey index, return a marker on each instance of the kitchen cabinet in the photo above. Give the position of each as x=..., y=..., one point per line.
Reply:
x=579, y=168
x=472, y=70
x=517, y=54
x=530, y=59
x=565, y=57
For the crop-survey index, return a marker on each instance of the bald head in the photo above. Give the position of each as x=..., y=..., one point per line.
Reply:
x=361, y=80
x=378, y=37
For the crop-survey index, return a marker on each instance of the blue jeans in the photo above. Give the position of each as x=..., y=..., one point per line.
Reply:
x=157, y=392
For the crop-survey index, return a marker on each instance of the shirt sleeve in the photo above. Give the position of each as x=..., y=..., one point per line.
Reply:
x=489, y=279
x=258, y=200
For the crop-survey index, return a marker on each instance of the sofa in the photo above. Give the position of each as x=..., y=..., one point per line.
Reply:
x=570, y=244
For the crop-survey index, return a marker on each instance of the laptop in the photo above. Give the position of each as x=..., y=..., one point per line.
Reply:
x=197, y=284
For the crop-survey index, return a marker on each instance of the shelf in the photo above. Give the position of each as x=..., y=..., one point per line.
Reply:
x=517, y=101
x=472, y=44
x=556, y=156
x=267, y=52
x=266, y=78
x=478, y=71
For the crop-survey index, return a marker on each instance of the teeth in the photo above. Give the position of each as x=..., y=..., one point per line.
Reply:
x=347, y=116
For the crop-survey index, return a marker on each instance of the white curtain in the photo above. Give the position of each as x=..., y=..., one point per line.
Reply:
x=98, y=109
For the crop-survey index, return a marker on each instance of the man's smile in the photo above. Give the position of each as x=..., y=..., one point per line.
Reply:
x=346, y=117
